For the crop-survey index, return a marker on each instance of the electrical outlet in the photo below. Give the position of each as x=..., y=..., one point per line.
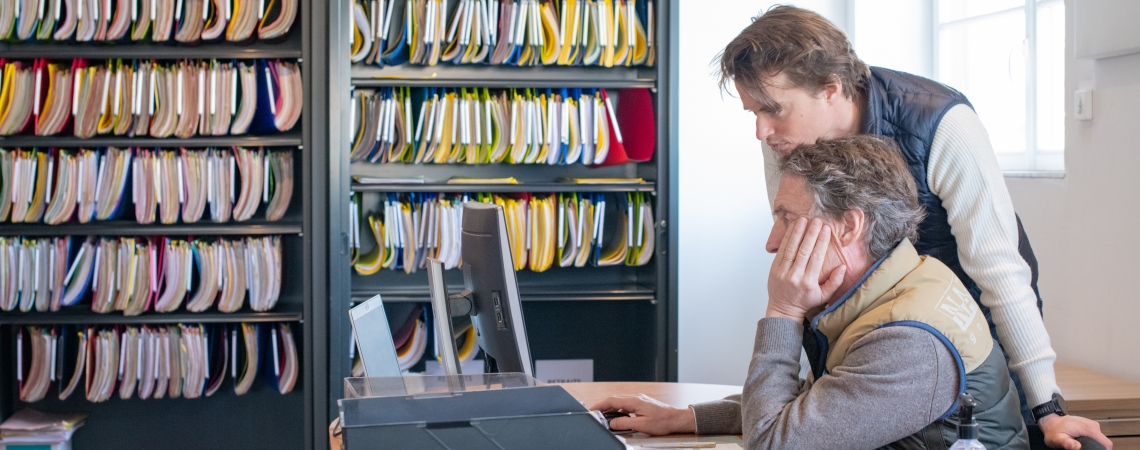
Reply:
x=1083, y=104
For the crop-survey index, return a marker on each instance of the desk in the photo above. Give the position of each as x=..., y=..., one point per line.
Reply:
x=1112, y=401
x=675, y=394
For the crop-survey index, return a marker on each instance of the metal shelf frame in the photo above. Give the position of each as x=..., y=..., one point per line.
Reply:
x=90, y=318
x=654, y=304
x=292, y=138
x=504, y=76
x=129, y=228
x=521, y=187
x=287, y=48
x=304, y=297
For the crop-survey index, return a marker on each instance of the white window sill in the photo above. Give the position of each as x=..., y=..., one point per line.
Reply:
x=1034, y=174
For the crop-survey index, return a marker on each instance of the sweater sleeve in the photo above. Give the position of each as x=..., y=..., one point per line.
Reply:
x=718, y=416
x=963, y=171
x=892, y=383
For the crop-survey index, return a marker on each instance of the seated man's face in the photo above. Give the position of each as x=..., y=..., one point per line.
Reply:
x=794, y=201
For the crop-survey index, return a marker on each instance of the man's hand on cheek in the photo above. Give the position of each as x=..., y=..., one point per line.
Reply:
x=793, y=282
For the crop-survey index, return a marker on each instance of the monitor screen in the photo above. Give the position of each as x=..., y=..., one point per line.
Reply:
x=374, y=339
x=489, y=276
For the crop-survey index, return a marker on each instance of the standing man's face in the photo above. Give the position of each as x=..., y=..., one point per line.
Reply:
x=800, y=117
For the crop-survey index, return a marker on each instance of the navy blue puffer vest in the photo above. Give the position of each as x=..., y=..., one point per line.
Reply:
x=908, y=109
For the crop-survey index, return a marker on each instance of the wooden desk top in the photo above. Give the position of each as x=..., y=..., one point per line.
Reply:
x=1096, y=395
x=676, y=394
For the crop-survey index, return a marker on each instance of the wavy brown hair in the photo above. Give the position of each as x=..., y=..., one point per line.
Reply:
x=865, y=173
x=809, y=49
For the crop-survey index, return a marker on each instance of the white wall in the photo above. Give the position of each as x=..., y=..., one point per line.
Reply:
x=724, y=212
x=1083, y=226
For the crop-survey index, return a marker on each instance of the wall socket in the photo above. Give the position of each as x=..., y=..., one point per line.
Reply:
x=1083, y=104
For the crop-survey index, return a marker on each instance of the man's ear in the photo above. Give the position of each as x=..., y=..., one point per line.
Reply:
x=853, y=225
x=833, y=91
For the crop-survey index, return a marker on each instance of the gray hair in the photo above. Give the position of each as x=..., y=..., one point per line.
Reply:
x=864, y=173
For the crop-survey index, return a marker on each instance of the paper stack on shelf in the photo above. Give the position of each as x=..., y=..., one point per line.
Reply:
x=167, y=186
x=516, y=126
x=159, y=98
x=185, y=21
x=28, y=426
x=152, y=361
x=543, y=230
x=604, y=33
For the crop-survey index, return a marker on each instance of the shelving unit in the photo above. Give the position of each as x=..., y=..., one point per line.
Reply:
x=624, y=318
x=263, y=418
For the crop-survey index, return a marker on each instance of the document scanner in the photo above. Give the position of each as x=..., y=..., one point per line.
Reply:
x=506, y=411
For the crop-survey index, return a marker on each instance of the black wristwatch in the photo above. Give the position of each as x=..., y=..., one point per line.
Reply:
x=1055, y=406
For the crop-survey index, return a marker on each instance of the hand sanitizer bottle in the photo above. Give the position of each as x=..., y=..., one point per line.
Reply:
x=967, y=427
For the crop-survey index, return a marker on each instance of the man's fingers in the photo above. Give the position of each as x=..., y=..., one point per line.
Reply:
x=833, y=281
x=622, y=402
x=791, y=244
x=806, y=245
x=640, y=423
x=818, y=254
x=624, y=423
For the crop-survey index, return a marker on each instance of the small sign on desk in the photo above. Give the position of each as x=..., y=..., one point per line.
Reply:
x=564, y=370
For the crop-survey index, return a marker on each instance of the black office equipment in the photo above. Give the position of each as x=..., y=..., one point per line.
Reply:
x=494, y=411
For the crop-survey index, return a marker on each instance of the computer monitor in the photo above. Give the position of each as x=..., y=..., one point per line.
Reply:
x=491, y=296
x=443, y=312
x=374, y=339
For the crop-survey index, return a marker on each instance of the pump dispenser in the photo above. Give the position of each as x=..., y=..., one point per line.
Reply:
x=967, y=426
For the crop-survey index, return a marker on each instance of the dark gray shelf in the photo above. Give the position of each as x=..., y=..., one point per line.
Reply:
x=130, y=228
x=287, y=139
x=290, y=47
x=521, y=187
x=504, y=76
x=528, y=294
x=84, y=317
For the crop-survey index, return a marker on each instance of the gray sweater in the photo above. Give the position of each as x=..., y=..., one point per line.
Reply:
x=892, y=383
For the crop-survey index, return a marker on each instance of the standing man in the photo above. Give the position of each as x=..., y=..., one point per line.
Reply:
x=800, y=77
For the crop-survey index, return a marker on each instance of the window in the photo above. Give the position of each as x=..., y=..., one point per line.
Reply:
x=1008, y=57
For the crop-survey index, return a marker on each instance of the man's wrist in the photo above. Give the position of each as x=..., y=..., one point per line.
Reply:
x=688, y=421
x=1043, y=421
x=785, y=313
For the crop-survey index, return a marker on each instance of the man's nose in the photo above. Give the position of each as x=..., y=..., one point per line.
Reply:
x=774, y=239
x=763, y=127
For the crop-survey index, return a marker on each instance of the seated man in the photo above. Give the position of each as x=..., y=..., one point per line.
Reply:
x=892, y=337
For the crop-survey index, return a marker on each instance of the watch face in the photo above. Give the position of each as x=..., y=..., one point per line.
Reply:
x=1064, y=407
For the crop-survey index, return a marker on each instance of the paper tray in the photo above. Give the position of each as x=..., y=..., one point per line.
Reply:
x=494, y=412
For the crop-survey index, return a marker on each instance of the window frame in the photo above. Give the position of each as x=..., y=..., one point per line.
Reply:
x=1030, y=159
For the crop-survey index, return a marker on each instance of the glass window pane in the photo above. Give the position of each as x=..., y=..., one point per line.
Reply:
x=985, y=59
x=1051, y=77
x=951, y=10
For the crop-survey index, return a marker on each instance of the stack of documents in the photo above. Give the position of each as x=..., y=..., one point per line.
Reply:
x=544, y=230
x=149, y=97
x=167, y=186
x=28, y=426
x=145, y=20
x=516, y=126
x=136, y=275
x=604, y=33
x=152, y=361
